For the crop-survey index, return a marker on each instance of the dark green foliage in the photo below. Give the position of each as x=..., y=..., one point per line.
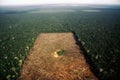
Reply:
x=61, y=52
x=99, y=33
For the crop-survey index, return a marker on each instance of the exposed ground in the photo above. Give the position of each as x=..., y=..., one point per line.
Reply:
x=43, y=63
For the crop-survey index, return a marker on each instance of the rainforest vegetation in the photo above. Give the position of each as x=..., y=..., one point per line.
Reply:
x=97, y=28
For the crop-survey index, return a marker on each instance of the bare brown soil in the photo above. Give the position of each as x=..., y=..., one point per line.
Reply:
x=42, y=63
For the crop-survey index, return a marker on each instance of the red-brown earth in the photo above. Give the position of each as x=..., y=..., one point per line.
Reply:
x=43, y=62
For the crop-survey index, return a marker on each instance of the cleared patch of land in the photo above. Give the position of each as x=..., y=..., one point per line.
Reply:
x=56, y=56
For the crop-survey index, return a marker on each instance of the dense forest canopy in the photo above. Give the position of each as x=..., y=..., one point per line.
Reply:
x=97, y=28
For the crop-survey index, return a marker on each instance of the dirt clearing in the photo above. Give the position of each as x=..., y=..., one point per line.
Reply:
x=56, y=56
